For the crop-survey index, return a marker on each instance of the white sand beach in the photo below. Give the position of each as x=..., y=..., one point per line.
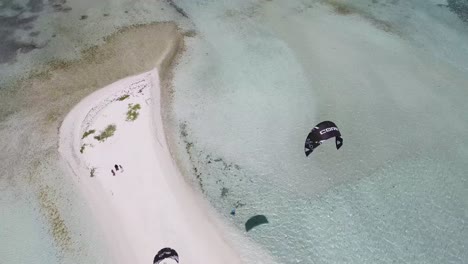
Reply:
x=147, y=205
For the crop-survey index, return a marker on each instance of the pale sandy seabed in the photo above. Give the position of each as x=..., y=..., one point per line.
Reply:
x=393, y=79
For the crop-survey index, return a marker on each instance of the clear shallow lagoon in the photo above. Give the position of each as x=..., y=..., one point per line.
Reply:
x=19, y=231
x=256, y=77
x=391, y=74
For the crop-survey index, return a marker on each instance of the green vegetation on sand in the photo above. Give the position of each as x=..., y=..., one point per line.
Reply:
x=132, y=112
x=82, y=148
x=87, y=133
x=106, y=133
x=123, y=97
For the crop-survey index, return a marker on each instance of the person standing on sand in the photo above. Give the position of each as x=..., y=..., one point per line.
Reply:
x=116, y=167
x=113, y=173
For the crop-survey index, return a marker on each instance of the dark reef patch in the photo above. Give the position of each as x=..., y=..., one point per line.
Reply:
x=59, y=228
x=189, y=148
x=345, y=8
x=341, y=8
x=177, y=8
x=459, y=7
x=206, y=167
x=21, y=17
x=35, y=5
x=59, y=6
x=34, y=33
x=9, y=45
x=224, y=192
x=190, y=33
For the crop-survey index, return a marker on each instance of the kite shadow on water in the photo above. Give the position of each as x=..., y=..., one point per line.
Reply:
x=255, y=221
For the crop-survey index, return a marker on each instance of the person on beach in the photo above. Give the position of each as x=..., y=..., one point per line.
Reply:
x=116, y=167
x=113, y=173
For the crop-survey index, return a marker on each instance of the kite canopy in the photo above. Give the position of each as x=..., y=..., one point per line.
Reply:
x=321, y=132
x=255, y=221
x=164, y=254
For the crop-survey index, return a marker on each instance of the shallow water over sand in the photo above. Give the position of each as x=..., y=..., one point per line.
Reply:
x=19, y=226
x=391, y=75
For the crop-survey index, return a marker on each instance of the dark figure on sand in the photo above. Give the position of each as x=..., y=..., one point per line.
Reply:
x=117, y=167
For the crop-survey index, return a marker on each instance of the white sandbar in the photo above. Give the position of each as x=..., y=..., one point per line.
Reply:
x=147, y=205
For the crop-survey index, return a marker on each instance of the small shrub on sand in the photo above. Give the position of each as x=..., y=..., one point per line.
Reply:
x=87, y=133
x=82, y=148
x=123, y=97
x=132, y=112
x=106, y=133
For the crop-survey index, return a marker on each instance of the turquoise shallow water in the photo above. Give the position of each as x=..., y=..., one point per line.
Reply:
x=254, y=79
x=20, y=229
x=390, y=74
